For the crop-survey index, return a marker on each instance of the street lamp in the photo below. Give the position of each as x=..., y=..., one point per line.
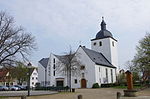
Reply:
x=29, y=73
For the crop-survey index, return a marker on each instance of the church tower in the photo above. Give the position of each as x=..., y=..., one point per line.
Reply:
x=106, y=44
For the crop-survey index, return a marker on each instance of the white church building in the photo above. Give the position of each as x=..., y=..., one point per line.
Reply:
x=100, y=63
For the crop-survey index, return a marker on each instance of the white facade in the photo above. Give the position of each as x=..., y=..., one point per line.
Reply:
x=100, y=62
x=34, y=78
x=44, y=73
x=108, y=48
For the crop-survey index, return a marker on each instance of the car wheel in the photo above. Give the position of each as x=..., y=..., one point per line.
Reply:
x=3, y=89
x=13, y=89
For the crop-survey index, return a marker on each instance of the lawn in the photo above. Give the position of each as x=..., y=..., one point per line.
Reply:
x=125, y=87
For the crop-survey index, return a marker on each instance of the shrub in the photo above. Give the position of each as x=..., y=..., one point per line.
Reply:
x=107, y=85
x=95, y=85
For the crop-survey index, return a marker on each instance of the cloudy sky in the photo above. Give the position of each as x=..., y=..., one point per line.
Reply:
x=56, y=24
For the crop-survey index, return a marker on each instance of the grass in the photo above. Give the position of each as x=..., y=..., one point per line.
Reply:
x=125, y=87
x=3, y=97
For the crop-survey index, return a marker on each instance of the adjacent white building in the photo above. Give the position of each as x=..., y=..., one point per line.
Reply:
x=99, y=64
x=33, y=78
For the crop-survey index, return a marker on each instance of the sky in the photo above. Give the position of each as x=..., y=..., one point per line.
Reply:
x=58, y=24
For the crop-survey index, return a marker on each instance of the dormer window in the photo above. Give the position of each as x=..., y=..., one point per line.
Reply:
x=100, y=43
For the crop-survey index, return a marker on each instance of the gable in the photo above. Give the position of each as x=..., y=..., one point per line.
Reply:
x=44, y=62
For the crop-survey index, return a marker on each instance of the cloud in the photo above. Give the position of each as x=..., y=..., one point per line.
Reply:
x=59, y=23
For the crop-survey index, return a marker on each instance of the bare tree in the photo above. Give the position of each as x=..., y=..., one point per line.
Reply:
x=14, y=41
x=69, y=65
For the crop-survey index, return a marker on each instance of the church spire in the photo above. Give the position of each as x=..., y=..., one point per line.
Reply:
x=103, y=24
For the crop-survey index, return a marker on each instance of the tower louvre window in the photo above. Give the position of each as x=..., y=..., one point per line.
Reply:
x=94, y=43
x=100, y=43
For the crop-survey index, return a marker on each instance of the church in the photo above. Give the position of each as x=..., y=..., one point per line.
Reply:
x=100, y=63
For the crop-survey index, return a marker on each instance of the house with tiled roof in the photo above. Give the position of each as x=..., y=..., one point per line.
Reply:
x=6, y=78
x=100, y=63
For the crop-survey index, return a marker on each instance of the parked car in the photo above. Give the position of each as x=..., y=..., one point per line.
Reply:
x=13, y=88
x=21, y=87
x=3, y=88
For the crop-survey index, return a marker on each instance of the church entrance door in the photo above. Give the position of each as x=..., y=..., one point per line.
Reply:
x=83, y=83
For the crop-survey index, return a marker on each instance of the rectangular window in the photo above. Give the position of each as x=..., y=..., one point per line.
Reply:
x=82, y=67
x=82, y=75
x=32, y=83
x=99, y=69
x=106, y=75
x=32, y=78
x=54, y=60
x=54, y=73
x=100, y=43
x=75, y=81
x=111, y=75
x=54, y=66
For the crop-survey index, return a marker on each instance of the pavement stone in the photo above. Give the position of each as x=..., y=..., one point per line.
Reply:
x=22, y=93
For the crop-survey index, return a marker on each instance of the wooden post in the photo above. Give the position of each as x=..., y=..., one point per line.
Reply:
x=79, y=96
x=23, y=97
x=129, y=92
x=118, y=95
x=129, y=80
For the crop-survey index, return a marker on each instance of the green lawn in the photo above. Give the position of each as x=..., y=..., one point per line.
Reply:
x=2, y=97
x=125, y=87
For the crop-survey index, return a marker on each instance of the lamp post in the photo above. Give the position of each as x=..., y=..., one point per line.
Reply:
x=29, y=71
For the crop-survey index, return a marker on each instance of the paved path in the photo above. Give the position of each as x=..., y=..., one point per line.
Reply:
x=101, y=93
x=21, y=93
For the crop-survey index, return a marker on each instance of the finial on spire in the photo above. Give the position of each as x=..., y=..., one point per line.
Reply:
x=102, y=18
x=103, y=24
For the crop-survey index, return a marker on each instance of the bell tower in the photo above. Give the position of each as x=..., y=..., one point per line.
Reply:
x=105, y=43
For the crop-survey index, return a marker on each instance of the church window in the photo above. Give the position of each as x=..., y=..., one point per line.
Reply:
x=54, y=73
x=113, y=44
x=82, y=75
x=54, y=60
x=82, y=67
x=111, y=71
x=100, y=43
x=106, y=75
x=75, y=81
x=54, y=66
x=94, y=43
